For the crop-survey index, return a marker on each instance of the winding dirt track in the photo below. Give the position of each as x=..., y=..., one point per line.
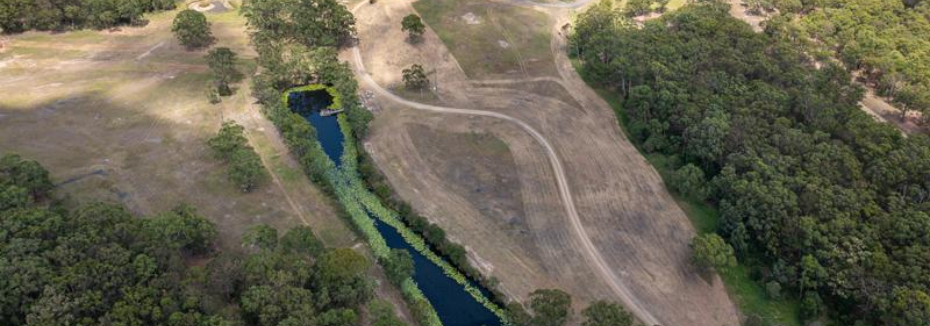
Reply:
x=592, y=254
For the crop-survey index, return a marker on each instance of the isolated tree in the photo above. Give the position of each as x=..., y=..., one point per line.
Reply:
x=192, y=29
x=222, y=62
x=415, y=77
x=603, y=313
x=413, y=25
x=712, y=253
x=398, y=266
x=551, y=307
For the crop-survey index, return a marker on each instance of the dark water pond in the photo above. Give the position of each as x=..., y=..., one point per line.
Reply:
x=309, y=105
x=454, y=306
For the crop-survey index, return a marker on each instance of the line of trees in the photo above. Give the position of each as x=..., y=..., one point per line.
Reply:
x=823, y=203
x=244, y=166
x=57, y=15
x=99, y=265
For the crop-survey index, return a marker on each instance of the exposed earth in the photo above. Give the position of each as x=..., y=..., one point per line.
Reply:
x=596, y=219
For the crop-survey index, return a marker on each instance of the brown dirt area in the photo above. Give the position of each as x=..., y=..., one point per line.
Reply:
x=624, y=207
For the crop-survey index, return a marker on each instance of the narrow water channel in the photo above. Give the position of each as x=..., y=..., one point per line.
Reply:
x=454, y=306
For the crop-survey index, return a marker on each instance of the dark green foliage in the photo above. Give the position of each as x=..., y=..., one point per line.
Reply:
x=183, y=229
x=773, y=290
x=260, y=236
x=312, y=23
x=413, y=25
x=399, y=266
x=883, y=41
x=339, y=276
x=518, y=315
x=245, y=167
x=689, y=181
x=222, y=62
x=824, y=199
x=433, y=234
x=99, y=265
x=638, y=7
x=22, y=15
x=415, y=77
x=712, y=253
x=603, y=313
x=382, y=314
x=550, y=307
x=25, y=176
x=192, y=29
x=300, y=240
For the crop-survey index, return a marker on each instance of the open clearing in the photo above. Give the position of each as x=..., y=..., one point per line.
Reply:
x=511, y=39
x=632, y=242
x=122, y=116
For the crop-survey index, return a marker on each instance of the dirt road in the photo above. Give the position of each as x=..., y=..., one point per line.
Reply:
x=590, y=251
x=592, y=217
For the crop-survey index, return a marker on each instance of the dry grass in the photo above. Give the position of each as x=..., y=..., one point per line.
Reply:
x=499, y=40
x=632, y=220
x=124, y=115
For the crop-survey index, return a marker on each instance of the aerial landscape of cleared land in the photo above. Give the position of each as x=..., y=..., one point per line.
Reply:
x=465, y=162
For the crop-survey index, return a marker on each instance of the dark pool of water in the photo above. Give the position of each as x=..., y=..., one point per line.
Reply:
x=309, y=105
x=454, y=306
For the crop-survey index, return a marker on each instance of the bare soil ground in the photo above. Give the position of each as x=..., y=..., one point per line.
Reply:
x=625, y=210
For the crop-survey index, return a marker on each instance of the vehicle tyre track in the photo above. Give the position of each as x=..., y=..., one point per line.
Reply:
x=592, y=254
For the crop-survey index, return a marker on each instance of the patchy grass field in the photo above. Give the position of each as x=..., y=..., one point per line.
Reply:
x=490, y=39
x=123, y=116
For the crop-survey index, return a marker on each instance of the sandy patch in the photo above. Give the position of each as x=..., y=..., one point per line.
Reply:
x=471, y=19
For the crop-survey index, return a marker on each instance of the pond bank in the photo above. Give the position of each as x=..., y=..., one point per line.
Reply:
x=454, y=300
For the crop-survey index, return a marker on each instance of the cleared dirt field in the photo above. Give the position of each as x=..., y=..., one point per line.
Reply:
x=122, y=116
x=625, y=213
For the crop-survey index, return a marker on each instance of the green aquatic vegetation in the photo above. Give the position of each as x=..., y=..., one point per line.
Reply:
x=361, y=205
x=335, y=178
x=373, y=205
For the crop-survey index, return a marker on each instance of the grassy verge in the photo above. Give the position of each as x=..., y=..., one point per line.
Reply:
x=748, y=294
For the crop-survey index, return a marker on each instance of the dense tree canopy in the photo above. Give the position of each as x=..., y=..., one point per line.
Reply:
x=311, y=23
x=883, y=40
x=835, y=206
x=99, y=265
x=22, y=15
